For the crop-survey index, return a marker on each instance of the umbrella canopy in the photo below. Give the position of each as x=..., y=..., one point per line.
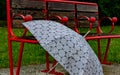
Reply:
x=69, y=48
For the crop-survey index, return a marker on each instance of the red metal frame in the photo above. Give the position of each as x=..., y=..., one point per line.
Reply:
x=99, y=37
x=12, y=37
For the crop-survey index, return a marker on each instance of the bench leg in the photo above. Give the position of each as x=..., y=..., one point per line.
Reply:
x=104, y=61
x=99, y=50
x=10, y=56
x=106, y=53
x=20, y=58
x=47, y=63
x=48, y=66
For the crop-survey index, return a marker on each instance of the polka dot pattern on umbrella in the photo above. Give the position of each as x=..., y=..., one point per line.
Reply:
x=69, y=48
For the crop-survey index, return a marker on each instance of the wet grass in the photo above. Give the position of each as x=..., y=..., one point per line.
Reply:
x=34, y=54
x=114, y=49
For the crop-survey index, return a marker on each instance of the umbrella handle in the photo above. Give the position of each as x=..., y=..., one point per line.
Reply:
x=87, y=33
x=52, y=68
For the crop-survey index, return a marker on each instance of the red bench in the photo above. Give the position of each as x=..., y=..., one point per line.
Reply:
x=80, y=14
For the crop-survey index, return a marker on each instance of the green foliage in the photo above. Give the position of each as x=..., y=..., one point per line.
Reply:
x=109, y=7
x=2, y=10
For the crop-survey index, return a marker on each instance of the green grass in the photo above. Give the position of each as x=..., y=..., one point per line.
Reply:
x=2, y=23
x=34, y=54
x=114, y=49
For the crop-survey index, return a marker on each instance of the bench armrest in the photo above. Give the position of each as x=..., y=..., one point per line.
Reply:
x=91, y=21
x=25, y=19
x=63, y=19
x=113, y=20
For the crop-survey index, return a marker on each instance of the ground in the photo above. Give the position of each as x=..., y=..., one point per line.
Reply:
x=113, y=69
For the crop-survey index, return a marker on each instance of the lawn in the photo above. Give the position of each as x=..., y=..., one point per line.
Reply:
x=34, y=54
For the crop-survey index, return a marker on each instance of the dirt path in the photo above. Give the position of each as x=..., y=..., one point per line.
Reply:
x=35, y=70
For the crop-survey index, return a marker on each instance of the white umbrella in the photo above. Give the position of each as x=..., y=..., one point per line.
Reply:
x=69, y=48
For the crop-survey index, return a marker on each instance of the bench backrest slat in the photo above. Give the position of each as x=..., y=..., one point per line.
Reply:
x=74, y=10
x=70, y=9
x=87, y=10
x=27, y=7
x=60, y=6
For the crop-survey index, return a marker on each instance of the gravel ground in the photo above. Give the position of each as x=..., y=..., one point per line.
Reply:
x=32, y=70
x=35, y=70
